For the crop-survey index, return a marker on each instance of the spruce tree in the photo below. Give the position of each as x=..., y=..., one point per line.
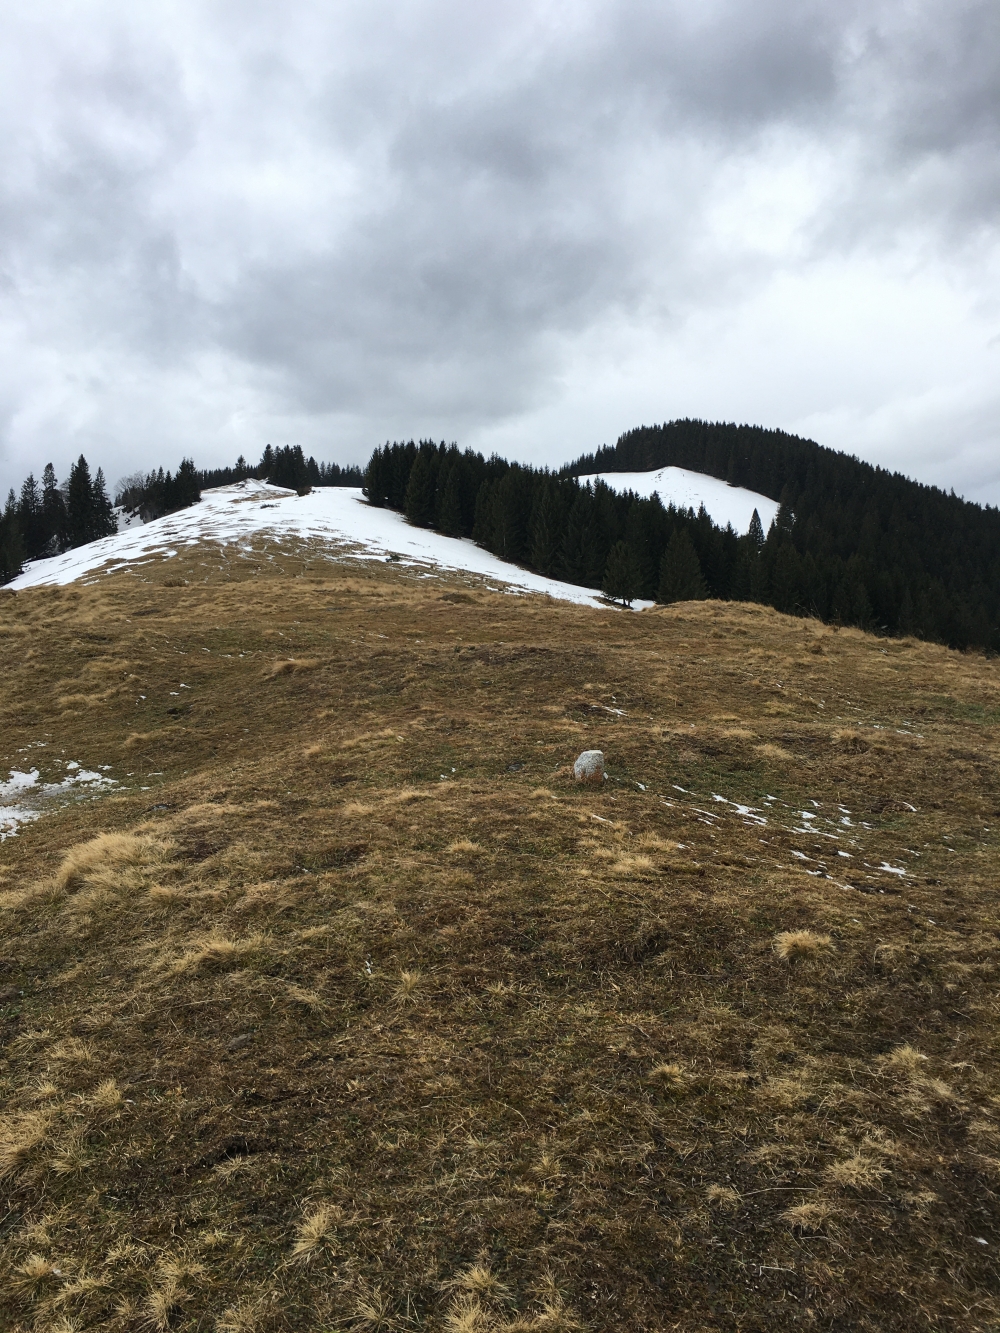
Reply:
x=420, y=490
x=449, y=519
x=546, y=530
x=53, y=512
x=756, y=530
x=621, y=574
x=11, y=543
x=80, y=509
x=681, y=578
x=31, y=519
x=105, y=523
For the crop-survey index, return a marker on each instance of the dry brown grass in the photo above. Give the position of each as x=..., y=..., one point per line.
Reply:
x=792, y=945
x=339, y=1044
x=317, y=1228
x=292, y=666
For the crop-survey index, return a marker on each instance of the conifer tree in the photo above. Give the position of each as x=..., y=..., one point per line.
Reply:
x=80, y=507
x=53, y=511
x=449, y=519
x=545, y=530
x=681, y=578
x=11, y=543
x=420, y=490
x=621, y=575
x=756, y=530
x=31, y=518
x=105, y=523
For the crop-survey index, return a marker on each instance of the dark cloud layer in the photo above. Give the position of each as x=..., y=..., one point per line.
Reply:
x=523, y=226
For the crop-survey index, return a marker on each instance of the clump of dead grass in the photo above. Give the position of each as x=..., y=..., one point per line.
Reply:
x=292, y=666
x=169, y=1291
x=669, y=1075
x=776, y=753
x=356, y=810
x=810, y=1218
x=792, y=945
x=214, y=951
x=465, y=846
x=113, y=860
x=850, y=740
x=246, y=1315
x=22, y=1136
x=316, y=1230
x=860, y=1171
x=410, y=983
x=723, y=1197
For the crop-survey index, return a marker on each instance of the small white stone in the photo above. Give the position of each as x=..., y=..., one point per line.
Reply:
x=589, y=767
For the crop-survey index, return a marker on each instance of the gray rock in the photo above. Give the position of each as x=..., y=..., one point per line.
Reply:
x=589, y=767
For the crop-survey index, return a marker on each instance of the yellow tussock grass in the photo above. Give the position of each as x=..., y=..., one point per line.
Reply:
x=21, y=1136
x=860, y=1171
x=794, y=944
x=410, y=981
x=214, y=951
x=723, y=1197
x=812, y=1216
x=671, y=1074
x=777, y=753
x=318, y=1226
x=465, y=845
x=104, y=855
x=292, y=666
x=906, y=1059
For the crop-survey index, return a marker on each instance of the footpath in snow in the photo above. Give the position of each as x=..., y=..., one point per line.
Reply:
x=689, y=490
x=336, y=516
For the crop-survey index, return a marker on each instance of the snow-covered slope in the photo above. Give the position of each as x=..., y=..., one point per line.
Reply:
x=688, y=490
x=336, y=516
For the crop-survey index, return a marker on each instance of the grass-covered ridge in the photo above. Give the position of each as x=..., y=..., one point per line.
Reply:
x=349, y=1010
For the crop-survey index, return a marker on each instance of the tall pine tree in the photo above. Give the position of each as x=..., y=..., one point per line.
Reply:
x=80, y=506
x=621, y=575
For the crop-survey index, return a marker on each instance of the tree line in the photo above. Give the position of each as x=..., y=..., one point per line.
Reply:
x=154, y=494
x=563, y=528
x=851, y=544
x=48, y=518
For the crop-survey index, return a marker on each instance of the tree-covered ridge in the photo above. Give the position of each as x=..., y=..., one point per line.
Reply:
x=851, y=544
x=867, y=546
x=585, y=534
x=48, y=519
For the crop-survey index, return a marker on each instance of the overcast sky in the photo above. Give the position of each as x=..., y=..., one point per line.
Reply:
x=526, y=227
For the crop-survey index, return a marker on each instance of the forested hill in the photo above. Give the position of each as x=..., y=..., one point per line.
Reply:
x=926, y=561
x=853, y=543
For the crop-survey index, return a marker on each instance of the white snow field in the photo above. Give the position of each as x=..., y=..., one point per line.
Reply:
x=337, y=516
x=688, y=490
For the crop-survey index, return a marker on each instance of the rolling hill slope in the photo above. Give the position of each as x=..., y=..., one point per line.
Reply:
x=345, y=1008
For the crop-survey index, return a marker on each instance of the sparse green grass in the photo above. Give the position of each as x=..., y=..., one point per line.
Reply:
x=302, y=1030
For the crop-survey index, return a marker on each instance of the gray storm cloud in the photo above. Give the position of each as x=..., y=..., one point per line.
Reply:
x=526, y=227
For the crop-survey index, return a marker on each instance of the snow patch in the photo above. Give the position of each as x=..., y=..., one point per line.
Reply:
x=25, y=798
x=685, y=489
x=337, y=516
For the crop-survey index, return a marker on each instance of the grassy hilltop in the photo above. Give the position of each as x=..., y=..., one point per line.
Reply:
x=347, y=1009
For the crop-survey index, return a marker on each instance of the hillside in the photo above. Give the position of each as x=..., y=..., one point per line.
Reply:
x=345, y=1008
x=866, y=547
x=279, y=521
